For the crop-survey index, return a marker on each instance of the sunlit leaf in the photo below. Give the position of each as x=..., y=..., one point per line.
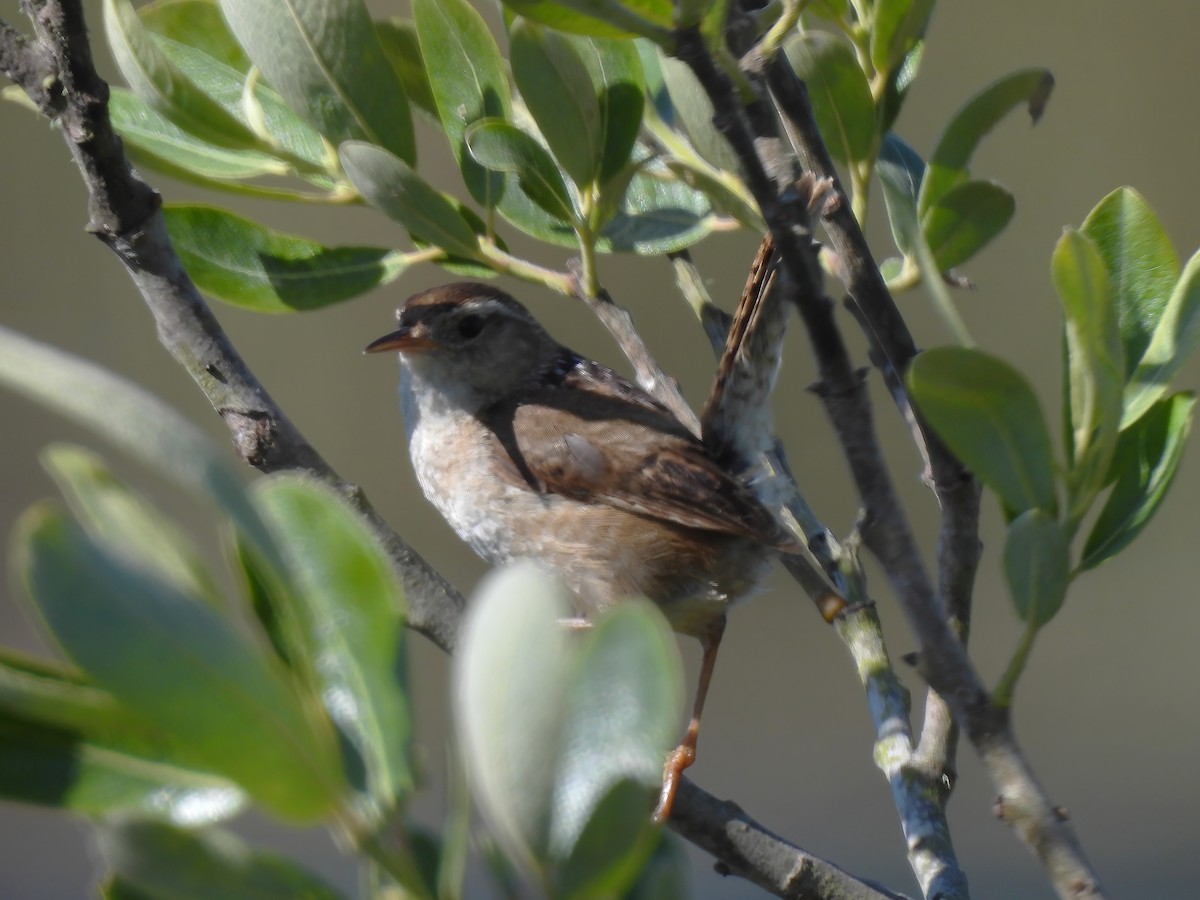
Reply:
x=502, y=147
x=1174, y=339
x=468, y=79
x=324, y=58
x=251, y=266
x=390, y=185
x=987, y=414
x=1142, y=266
x=1145, y=462
x=950, y=158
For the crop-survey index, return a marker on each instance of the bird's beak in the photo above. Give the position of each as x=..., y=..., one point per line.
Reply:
x=402, y=340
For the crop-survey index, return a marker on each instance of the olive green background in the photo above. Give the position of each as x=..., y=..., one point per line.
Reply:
x=1108, y=709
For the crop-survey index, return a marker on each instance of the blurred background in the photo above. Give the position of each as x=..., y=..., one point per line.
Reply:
x=1107, y=711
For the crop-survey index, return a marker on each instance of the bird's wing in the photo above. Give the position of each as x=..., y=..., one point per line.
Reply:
x=597, y=438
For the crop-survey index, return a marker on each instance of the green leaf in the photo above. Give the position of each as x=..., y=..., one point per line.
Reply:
x=547, y=744
x=695, y=112
x=838, y=89
x=897, y=27
x=1144, y=464
x=390, y=185
x=324, y=58
x=198, y=23
x=948, y=164
x=558, y=90
x=157, y=81
x=1142, y=266
x=132, y=419
x=127, y=523
x=601, y=18
x=665, y=874
x=614, y=846
x=352, y=610
x=254, y=267
x=615, y=69
x=502, y=147
x=179, y=864
x=279, y=129
x=1037, y=566
x=987, y=414
x=65, y=743
x=724, y=198
x=1095, y=368
x=402, y=47
x=900, y=170
x=965, y=220
x=898, y=85
x=153, y=141
x=1173, y=341
x=468, y=79
x=173, y=661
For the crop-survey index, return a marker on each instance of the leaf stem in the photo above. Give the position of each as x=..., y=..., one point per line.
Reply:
x=1003, y=694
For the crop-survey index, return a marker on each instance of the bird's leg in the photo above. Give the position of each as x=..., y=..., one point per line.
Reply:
x=685, y=754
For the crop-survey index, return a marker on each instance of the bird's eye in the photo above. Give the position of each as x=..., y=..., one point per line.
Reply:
x=470, y=325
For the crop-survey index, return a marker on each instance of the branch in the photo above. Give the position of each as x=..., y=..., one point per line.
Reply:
x=125, y=213
x=752, y=852
x=944, y=662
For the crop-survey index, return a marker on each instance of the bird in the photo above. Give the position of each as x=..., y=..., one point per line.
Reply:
x=530, y=450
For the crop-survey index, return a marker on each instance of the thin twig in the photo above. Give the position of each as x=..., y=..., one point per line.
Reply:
x=752, y=852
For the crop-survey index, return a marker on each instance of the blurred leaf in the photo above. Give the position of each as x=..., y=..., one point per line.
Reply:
x=613, y=847
x=278, y=127
x=402, y=47
x=965, y=220
x=665, y=875
x=468, y=79
x=615, y=70
x=695, y=112
x=558, y=90
x=1144, y=464
x=600, y=18
x=1142, y=266
x=948, y=163
x=68, y=744
x=324, y=59
x=353, y=613
x=177, y=864
x=898, y=86
x=251, y=266
x=987, y=414
x=133, y=419
x=157, y=81
x=456, y=834
x=510, y=729
x=1173, y=341
x=1095, y=369
x=1037, y=566
x=897, y=27
x=546, y=745
x=126, y=522
x=198, y=23
x=502, y=147
x=390, y=185
x=900, y=170
x=173, y=661
x=838, y=89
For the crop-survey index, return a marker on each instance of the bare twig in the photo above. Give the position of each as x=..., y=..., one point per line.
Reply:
x=747, y=849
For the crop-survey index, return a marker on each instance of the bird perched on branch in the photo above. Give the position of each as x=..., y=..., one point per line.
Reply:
x=530, y=450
